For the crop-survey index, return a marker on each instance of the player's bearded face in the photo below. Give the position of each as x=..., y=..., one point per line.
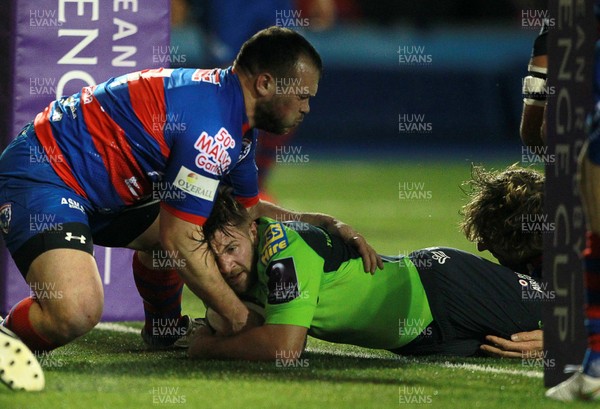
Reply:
x=236, y=257
x=289, y=101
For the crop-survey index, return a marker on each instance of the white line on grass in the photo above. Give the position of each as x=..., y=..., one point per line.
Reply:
x=111, y=326
x=468, y=367
x=490, y=369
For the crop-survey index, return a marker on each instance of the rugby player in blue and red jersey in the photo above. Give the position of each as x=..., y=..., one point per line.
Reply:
x=95, y=163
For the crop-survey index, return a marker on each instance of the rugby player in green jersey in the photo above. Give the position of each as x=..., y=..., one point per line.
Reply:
x=433, y=301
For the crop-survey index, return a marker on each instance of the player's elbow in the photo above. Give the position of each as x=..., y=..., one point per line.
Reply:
x=286, y=353
x=288, y=347
x=532, y=126
x=168, y=241
x=175, y=233
x=531, y=138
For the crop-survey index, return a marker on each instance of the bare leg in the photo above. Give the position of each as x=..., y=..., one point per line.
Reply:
x=68, y=303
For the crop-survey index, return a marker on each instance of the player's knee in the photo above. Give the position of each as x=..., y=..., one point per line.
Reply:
x=76, y=320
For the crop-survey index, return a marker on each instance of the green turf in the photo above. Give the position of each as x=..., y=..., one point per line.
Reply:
x=366, y=195
x=108, y=369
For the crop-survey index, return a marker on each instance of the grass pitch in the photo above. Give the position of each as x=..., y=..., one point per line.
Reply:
x=110, y=367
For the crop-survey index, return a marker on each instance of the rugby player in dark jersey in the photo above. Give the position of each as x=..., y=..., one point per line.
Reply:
x=433, y=301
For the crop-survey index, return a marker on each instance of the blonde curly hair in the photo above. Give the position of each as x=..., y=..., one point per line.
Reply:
x=499, y=203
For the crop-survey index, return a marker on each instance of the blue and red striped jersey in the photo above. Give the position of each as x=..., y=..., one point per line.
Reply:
x=171, y=134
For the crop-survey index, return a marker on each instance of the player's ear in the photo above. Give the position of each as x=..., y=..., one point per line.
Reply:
x=264, y=84
x=253, y=230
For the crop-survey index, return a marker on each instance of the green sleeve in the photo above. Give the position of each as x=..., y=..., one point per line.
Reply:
x=293, y=276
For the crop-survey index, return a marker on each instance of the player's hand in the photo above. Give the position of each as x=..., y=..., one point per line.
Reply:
x=201, y=342
x=371, y=260
x=528, y=345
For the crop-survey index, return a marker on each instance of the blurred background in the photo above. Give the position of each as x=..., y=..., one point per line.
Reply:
x=412, y=94
x=466, y=83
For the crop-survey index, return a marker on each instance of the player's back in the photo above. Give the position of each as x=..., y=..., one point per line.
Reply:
x=116, y=139
x=316, y=280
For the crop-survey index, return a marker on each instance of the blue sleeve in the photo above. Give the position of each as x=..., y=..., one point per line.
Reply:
x=243, y=178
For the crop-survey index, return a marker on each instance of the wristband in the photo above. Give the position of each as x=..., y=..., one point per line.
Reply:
x=534, y=91
x=536, y=71
x=534, y=102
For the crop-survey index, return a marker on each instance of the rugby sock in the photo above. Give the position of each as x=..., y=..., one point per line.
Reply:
x=591, y=363
x=18, y=322
x=161, y=291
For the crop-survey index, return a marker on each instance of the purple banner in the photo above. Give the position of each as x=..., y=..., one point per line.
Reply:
x=121, y=299
x=64, y=45
x=571, y=41
x=60, y=46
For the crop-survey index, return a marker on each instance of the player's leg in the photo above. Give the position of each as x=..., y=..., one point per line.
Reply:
x=154, y=269
x=45, y=229
x=155, y=274
x=68, y=300
x=586, y=384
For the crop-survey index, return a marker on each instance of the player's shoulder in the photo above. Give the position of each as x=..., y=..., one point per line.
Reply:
x=209, y=78
x=452, y=258
x=276, y=239
x=443, y=255
x=272, y=239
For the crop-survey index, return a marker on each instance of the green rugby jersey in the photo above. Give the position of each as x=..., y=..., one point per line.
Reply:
x=309, y=278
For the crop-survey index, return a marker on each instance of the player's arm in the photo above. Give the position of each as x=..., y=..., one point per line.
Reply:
x=267, y=342
x=533, y=126
x=528, y=344
x=371, y=260
x=534, y=105
x=200, y=271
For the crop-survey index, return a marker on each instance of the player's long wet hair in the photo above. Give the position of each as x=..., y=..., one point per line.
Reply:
x=500, y=210
x=226, y=213
x=275, y=50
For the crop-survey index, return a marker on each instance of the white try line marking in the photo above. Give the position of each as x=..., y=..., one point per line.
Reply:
x=468, y=367
x=491, y=369
x=112, y=326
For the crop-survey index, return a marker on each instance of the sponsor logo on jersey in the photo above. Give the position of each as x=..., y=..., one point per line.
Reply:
x=133, y=186
x=57, y=115
x=532, y=290
x=213, y=157
x=87, y=94
x=275, y=241
x=73, y=204
x=195, y=184
x=150, y=73
x=439, y=256
x=246, y=145
x=212, y=76
x=283, y=281
x=5, y=216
